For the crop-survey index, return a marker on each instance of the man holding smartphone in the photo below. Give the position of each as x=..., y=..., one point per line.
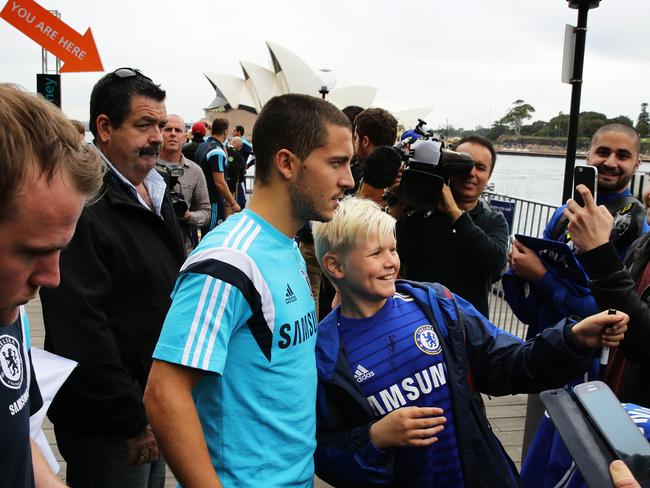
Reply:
x=614, y=152
x=551, y=294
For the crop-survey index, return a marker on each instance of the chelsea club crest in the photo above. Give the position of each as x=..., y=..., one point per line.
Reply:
x=11, y=365
x=427, y=340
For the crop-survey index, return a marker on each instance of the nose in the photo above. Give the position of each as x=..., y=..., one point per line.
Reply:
x=392, y=261
x=46, y=272
x=347, y=181
x=156, y=135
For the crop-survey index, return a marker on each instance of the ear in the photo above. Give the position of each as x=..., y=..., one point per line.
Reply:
x=333, y=265
x=365, y=142
x=286, y=163
x=104, y=128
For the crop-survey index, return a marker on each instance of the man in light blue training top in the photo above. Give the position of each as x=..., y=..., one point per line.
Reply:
x=232, y=392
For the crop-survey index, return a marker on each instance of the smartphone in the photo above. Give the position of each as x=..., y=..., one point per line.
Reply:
x=617, y=429
x=584, y=175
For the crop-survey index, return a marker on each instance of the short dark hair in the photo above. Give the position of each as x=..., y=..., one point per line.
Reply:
x=378, y=125
x=617, y=127
x=219, y=126
x=240, y=129
x=112, y=95
x=294, y=122
x=351, y=112
x=481, y=141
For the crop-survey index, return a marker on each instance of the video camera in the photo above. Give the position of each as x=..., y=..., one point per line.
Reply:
x=428, y=165
x=178, y=200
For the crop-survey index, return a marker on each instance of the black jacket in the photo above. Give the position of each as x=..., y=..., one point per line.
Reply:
x=116, y=278
x=189, y=148
x=613, y=285
x=466, y=256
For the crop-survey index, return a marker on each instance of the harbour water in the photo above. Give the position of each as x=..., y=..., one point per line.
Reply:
x=533, y=177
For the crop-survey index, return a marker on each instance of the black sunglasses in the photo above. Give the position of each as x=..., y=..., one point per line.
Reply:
x=128, y=73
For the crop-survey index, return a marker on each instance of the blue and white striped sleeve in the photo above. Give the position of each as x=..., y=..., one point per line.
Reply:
x=205, y=313
x=216, y=160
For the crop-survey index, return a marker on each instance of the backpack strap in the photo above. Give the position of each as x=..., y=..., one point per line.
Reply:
x=443, y=291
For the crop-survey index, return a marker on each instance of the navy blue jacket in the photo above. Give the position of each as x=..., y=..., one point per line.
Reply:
x=479, y=357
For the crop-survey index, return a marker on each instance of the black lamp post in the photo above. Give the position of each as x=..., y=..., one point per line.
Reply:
x=325, y=80
x=583, y=7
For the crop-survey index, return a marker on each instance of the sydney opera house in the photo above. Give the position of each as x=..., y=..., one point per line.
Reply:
x=240, y=99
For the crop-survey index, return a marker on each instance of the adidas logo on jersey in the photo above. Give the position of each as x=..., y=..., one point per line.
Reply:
x=362, y=374
x=289, y=297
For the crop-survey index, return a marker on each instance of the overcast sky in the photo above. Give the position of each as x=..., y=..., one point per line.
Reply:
x=466, y=59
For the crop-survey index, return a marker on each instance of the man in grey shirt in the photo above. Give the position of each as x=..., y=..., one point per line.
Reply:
x=192, y=183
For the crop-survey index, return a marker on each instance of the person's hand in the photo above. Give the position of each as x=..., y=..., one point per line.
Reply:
x=187, y=215
x=589, y=226
x=236, y=208
x=143, y=448
x=525, y=263
x=601, y=329
x=621, y=475
x=448, y=205
x=408, y=426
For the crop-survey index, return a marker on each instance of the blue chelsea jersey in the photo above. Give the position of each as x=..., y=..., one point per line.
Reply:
x=397, y=359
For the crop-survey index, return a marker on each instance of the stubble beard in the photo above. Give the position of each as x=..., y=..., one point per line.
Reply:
x=303, y=208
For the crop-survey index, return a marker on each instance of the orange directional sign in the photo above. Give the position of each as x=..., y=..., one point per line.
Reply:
x=78, y=53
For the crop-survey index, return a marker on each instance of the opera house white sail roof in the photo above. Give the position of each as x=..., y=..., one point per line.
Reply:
x=289, y=74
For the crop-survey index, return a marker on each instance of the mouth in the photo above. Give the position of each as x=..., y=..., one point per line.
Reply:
x=608, y=172
x=388, y=277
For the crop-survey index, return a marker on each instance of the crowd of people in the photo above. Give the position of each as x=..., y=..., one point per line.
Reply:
x=322, y=327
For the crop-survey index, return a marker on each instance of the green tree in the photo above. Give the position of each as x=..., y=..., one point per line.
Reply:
x=558, y=126
x=643, y=121
x=519, y=112
x=533, y=129
x=496, y=130
x=621, y=119
x=590, y=122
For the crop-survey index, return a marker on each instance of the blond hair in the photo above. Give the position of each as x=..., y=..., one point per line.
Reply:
x=34, y=131
x=354, y=222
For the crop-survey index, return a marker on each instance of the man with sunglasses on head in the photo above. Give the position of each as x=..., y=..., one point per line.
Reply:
x=116, y=278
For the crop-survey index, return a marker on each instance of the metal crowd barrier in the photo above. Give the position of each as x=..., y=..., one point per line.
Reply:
x=529, y=217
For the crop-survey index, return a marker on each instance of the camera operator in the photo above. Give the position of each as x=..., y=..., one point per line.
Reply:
x=193, y=188
x=463, y=243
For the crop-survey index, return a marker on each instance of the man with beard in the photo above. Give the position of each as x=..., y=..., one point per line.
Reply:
x=232, y=392
x=540, y=295
x=116, y=277
x=614, y=152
